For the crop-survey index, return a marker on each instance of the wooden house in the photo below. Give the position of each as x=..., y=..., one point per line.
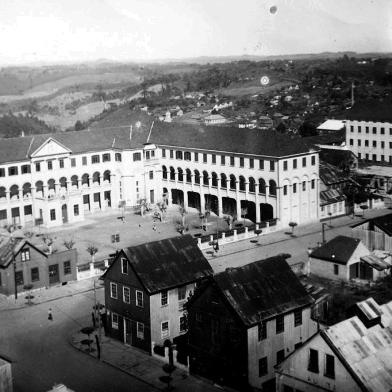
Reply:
x=245, y=320
x=146, y=288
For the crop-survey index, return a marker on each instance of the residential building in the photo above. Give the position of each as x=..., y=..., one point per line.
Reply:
x=146, y=288
x=375, y=233
x=245, y=320
x=348, y=356
x=22, y=263
x=214, y=119
x=369, y=131
x=61, y=178
x=330, y=126
x=346, y=258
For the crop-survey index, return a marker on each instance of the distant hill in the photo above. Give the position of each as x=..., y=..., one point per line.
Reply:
x=14, y=126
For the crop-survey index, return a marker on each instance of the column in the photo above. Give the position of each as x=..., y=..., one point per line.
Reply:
x=237, y=199
x=220, y=204
x=266, y=193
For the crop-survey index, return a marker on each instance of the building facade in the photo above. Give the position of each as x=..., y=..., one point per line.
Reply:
x=60, y=178
x=23, y=264
x=244, y=321
x=146, y=288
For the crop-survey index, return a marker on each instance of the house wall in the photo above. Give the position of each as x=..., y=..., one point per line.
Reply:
x=217, y=341
x=275, y=342
x=5, y=376
x=124, y=310
x=335, y=209
x=294, y=371
x=170, y=312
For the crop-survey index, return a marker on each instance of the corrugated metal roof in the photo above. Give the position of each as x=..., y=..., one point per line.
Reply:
x=262, y=289
x=8, y=248
x=331, y=196
x=168, y=263
x=368, y=352
x=375, y=262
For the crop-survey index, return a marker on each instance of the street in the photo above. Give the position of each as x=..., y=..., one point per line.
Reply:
x=42, y=355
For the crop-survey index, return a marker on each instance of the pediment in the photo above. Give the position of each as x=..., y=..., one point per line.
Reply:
x=50, y=147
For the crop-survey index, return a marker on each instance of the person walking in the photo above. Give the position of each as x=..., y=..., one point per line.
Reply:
x=50, y=316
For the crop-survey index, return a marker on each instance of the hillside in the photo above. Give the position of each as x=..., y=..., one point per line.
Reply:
x=14, y=126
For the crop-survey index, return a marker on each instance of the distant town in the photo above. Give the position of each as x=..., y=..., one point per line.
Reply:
x=197, y=227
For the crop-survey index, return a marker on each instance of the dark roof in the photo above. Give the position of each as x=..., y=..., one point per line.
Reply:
x=334, y=138
x=331, y=196
x=370, y=110
x=8, y=247
x=330, y=174
x=262, y=289
x=227, y=139
x=384, y=223
x=102, y=136
x=168, y=263
x=338, y=250
x=336, y=156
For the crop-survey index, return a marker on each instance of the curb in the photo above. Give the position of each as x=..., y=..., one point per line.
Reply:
x=49, y=300
x=115, y=367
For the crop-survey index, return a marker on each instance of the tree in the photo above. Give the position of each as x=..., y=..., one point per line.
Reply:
x=293, y=225
x=308, y=128
x=363, y=207
x=281, y=128
x=92, y=250
x=69, y=243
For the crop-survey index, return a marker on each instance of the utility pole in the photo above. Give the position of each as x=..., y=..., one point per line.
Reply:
x=352, y=94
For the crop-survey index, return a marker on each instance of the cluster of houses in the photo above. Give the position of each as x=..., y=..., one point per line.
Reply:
x=256, y=326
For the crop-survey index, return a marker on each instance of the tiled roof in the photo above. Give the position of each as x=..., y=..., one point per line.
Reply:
x=105, y=134
x=365, y=352
x=8, y=248
x=338, y=250
x=262, y=289
x=168, y=263
x=227, y=139
x=331, y=196
x=330, y=174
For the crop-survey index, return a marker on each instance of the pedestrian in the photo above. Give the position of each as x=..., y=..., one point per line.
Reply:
x=50, y=316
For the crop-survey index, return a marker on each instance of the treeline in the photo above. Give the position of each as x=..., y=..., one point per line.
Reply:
x=15, y=126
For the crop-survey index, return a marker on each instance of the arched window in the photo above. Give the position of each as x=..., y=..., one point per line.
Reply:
x=51, y=184
x=197, y=177
x=232, y=181
x=262, y=186
x=117, y=156
x=214, y=179
x=85, y=179
x=188, y=176
x=178, y=154
x=242, y=184
x=272, y=187
x=39, y=187
x=223, y=180
x=187, y=156
x=14, y=191
x=164, y=172
x=26, y=189
x=63, y=182
x=96, y=177
x=172, y=173
x=180, y=174
x=252, y=185
x=74, y=181
x=106, y=175
x=205, y=178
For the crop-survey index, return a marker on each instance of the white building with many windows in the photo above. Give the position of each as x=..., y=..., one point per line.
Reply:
x=59, y=178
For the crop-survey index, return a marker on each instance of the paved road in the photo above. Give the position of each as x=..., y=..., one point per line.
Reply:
x=43, y=355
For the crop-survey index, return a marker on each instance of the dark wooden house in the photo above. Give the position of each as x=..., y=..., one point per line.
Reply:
x=245, y=320
x=146, y=288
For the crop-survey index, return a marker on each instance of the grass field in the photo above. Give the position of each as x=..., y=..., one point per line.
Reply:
x=252, y=88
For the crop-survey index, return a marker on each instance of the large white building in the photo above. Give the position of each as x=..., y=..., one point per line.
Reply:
x=59, y=178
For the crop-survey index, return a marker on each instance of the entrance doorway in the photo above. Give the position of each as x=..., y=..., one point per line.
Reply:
x=54, y=276
x=127, y=331
x=152, y=196
x=106, y=195
x=64, y=213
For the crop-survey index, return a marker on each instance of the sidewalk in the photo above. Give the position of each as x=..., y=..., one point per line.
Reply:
x=43, y=294
x=299, y=231
x=140, y=365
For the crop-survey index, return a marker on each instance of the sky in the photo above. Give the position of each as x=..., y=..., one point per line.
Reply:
x=86, y=30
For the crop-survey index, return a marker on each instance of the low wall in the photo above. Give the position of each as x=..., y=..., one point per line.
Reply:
x=90, y=270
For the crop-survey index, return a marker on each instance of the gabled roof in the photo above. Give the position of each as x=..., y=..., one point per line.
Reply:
x=10, y=247
x=384, y=223
x=103, y=135
x=262, y=289
x=365, y=352
x=331, y=196
x=227, y=139
x=169, y=263
x=338, y=250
